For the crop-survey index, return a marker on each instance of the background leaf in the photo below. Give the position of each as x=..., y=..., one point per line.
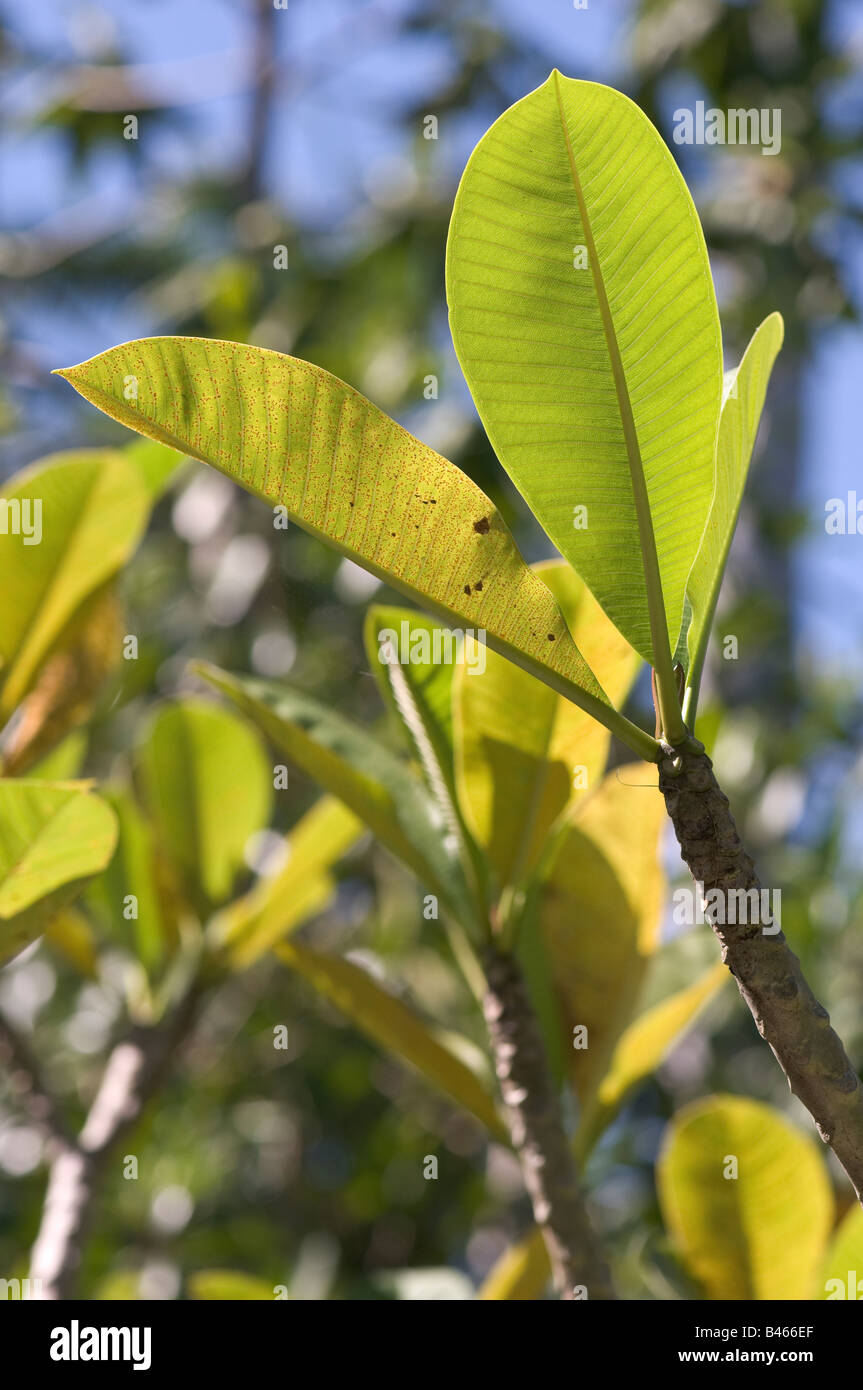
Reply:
x=53, y=838
x=133, y=872
x=230, y=1285
x=757, y=1236
x=208, y=785
x=521, y=1273
x=600, y=911
x=642, y=1047
x=844, y=1260
x=525, y=754
x=94, y=510
x=351, y=764
x=278, y=904
x=393, y=1026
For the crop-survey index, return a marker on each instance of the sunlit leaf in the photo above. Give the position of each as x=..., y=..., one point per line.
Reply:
x=746, y=1200
x=525, y=755
x=745, y=390
x=54, y=837
x=600, y=912
x=94, y=507
x=583, y=315
x=644, y=1044
x=300, y=438
x=842, y=1274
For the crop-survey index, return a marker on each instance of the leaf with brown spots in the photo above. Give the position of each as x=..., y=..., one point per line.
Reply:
x=296, y=436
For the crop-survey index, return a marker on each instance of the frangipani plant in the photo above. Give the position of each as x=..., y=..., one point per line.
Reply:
x=584, y=317
x=581, y=915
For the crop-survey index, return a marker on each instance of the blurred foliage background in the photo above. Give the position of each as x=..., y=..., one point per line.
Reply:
x=304, y=129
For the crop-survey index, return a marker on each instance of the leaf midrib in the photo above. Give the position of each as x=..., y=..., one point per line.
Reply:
x=650, y=559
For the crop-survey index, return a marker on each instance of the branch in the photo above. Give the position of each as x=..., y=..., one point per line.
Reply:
x=537, y=1132
x=768, y=973
x=133, y=1073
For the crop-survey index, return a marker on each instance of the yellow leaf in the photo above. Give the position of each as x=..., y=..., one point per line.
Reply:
x=746, y=1199
x=643, y=1045
x=599, y=912
x=524, y=754
x=521, y=1273
x=842, y=1274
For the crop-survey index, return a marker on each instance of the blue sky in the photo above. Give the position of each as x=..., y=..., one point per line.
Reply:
x=348, y=74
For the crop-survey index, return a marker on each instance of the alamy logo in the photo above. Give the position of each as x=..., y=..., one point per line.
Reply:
x=21, y=516
x=442, y=646
x=850, y=1288
x=76, y=1343
x=728, y=907
x=20, y=1290
x=844, y=516
x=734, y=127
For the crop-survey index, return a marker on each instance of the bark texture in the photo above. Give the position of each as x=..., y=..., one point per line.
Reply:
x=768, y=974
x=536, y=1127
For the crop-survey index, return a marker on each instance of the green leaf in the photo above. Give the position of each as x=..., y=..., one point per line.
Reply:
x=643, y=1046
x=842, y=1273
x=524, y=755
x=521, y=1273
x=208, y=786
x=230, y=1285
x=132, y=873
x=278, y=905
x=64, y=762
x=157, y=464
x=413, y=635
x=745, y=390
x=394, y=1026
x=298, y=437
x=351, y=764
x=94, y=508
x=54, y=837
x=600, y=911
x=761, y=1234
x=583, y=314
x=420, y=694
